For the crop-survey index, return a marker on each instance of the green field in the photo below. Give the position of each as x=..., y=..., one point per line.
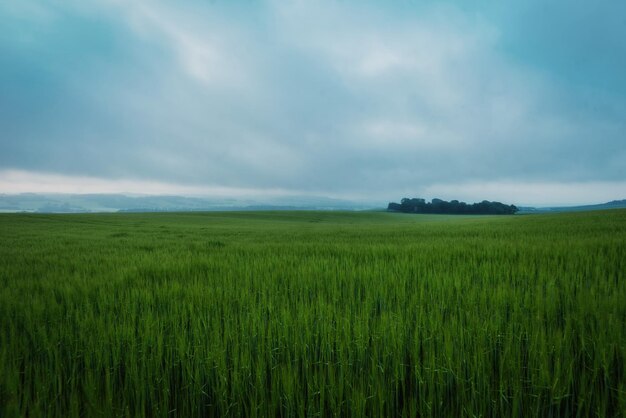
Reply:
x=312, y=314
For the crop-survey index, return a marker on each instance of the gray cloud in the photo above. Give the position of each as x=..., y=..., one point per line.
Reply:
x=331, y=98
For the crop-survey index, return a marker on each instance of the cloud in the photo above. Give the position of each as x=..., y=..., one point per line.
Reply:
x=17, y=181
x=532, y=193
x=327, y=97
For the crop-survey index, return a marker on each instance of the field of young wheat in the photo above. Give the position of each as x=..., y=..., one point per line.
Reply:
x=312, y=314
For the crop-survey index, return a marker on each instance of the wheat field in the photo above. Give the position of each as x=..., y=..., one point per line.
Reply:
x=301, y=314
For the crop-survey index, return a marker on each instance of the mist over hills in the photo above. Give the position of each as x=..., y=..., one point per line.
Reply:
x=89, y=203
x=614, y=204
x=86, y=203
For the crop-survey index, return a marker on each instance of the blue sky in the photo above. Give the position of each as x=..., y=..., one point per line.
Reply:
x=373, y=101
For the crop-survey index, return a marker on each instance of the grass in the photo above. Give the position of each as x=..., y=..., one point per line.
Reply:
x=312, y=314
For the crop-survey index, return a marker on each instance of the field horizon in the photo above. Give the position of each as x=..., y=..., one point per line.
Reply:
x=121, y=202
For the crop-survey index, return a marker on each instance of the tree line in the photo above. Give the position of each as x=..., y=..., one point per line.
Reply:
x=417, y=205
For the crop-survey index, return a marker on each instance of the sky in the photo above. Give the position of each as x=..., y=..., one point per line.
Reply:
x=522, y=102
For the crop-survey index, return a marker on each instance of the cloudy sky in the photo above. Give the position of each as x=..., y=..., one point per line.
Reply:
x=523, y=102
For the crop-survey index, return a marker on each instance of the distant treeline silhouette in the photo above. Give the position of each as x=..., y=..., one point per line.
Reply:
x=455, y=207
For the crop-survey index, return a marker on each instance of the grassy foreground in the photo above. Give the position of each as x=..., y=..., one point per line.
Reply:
x=312, y=314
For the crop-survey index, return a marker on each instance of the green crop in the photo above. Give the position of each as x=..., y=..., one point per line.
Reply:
x=312, y=314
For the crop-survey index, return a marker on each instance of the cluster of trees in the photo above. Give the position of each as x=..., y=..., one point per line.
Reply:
x=454, y=207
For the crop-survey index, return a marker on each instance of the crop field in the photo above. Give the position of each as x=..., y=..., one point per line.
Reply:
x=298, y=314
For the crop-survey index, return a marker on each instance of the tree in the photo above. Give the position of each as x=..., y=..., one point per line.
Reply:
x=418, y=205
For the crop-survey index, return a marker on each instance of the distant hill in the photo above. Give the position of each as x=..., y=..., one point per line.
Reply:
x=615, y=204
x=82, y=203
